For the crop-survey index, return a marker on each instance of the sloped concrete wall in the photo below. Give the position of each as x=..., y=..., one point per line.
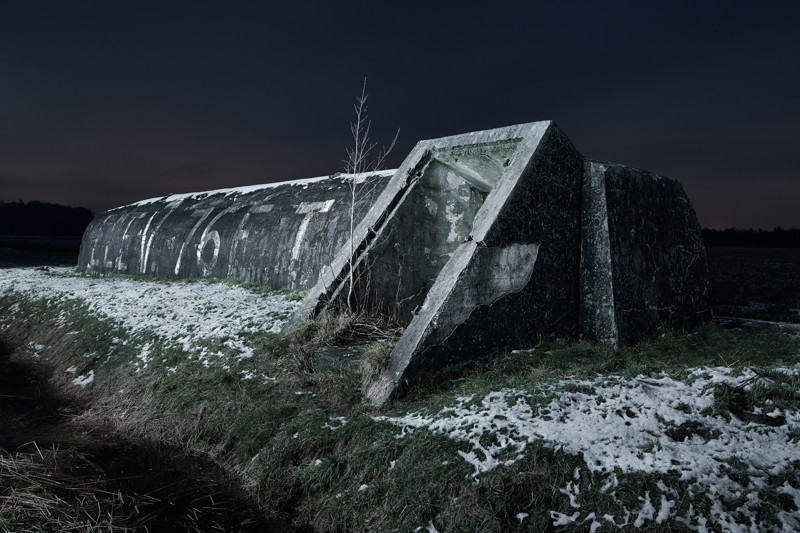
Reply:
x=428, y=207
x=432, y=219
x=279, y=235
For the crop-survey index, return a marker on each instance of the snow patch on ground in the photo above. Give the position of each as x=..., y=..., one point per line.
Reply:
x=617, y=423
x=82, y=381
x=35, y=349
x=332, y=421
x=191, y=315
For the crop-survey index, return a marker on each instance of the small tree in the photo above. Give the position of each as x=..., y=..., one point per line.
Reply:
x=359, y=160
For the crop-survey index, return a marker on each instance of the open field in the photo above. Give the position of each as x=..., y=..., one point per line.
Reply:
x=762, y=283
x=22, y=251
x=693, y=431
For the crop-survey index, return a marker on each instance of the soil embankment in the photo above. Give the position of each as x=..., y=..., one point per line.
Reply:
x=56, y=474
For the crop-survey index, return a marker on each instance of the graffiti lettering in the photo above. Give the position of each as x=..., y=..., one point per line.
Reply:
x=209, y=235
x=308, y=208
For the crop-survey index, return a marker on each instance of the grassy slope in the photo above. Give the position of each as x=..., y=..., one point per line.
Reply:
x=305, y=440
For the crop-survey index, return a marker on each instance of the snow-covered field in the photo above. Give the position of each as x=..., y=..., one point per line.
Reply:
x=188, y=314
x=661, y=426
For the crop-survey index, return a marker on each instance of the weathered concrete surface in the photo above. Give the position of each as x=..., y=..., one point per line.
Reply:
x=506, y=284
x=658, y=260
x=596, y=314
x=643, y=265
x=425, y=212
x=279, y=235
x=515, y=277
x=491, y=240
x=478, y=243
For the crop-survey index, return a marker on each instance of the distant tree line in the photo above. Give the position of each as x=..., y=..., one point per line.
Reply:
x=749, y=238
x=42, y=218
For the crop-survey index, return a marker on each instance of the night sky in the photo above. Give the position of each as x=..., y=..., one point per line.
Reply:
x=106, y=103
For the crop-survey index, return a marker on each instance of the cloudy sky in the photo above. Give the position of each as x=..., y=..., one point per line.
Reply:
x=106, y=103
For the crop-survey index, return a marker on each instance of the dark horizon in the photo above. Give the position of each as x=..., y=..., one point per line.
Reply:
x=44, y=219
x=103, y=104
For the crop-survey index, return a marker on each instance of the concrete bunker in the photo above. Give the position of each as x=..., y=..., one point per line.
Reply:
x=540, y=241
x=278, y=234
x=478, y=243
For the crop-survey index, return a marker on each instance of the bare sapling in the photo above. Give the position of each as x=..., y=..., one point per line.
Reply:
x=360, y=159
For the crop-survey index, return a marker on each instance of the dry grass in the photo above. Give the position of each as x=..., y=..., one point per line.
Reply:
x=376, y=334
x=344, y=329
x=59, y=490
x=372, y=367
x=306, y=442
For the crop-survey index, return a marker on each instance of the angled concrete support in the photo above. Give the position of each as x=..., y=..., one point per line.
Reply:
x=596, y=313
x=425, y=212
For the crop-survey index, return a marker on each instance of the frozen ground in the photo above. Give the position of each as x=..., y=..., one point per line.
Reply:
x=190, y=314
x=665, y=426
x=643, y=425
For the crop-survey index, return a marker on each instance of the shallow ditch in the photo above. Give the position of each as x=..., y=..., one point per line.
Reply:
x=50, y=467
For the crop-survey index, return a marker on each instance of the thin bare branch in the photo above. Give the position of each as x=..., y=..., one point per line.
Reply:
x=357, y=162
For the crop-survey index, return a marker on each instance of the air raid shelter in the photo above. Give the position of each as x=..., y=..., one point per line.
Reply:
x=478, y=243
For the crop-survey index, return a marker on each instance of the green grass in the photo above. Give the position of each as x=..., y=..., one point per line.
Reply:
x=672, y=354
x=287, y=441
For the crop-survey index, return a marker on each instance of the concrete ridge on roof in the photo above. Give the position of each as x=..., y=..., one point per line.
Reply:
x=246, y=189
x=505, y=131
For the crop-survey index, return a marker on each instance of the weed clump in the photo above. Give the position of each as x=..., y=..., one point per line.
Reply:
x=346, y=328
